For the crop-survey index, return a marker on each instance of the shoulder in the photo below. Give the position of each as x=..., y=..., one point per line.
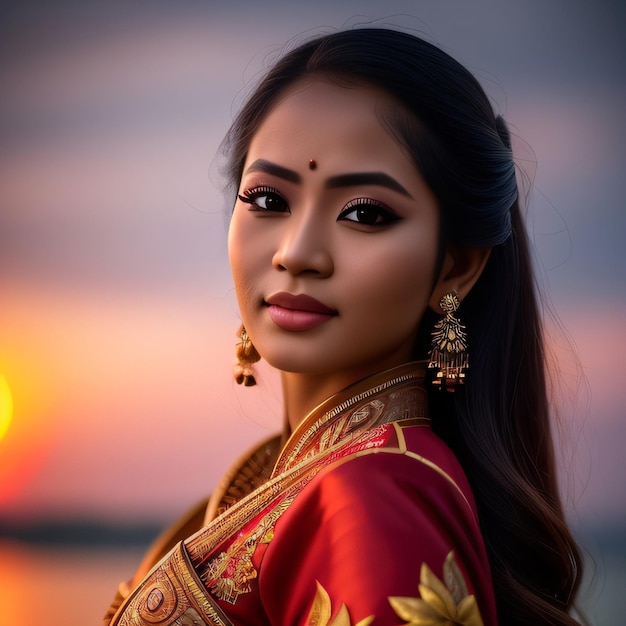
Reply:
x=413, y=468
x=411, y=488
x=373, y=523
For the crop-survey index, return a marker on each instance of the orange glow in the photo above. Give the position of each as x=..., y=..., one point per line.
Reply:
x=6, y=407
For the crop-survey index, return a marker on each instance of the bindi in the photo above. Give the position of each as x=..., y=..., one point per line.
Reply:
x=312, y=164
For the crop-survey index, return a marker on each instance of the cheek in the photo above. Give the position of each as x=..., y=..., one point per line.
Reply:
x=250, y=255
x=239, y=256
x=397, y=276
x=399, y=301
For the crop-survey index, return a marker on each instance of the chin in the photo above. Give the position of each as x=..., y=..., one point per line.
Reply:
x=300, y=361
x=298, y=366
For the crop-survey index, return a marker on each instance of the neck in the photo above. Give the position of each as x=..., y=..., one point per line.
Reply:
x=302, y=393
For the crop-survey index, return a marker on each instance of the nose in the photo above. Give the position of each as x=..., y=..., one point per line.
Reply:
x=305, y=247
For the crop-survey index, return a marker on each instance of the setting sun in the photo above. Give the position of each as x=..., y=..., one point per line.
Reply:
x=6, y=406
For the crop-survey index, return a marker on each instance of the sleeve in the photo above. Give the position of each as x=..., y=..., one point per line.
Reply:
x=378, y=539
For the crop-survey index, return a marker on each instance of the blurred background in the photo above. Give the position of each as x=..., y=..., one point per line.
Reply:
x=117, y=314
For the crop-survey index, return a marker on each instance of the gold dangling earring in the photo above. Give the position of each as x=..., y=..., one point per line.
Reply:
x=246, y=357
x=449, y=345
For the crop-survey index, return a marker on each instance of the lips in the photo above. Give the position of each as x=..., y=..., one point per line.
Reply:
x=300, y=302
x=297, y=312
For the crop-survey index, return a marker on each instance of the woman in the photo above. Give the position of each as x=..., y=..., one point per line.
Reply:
x=375, y=192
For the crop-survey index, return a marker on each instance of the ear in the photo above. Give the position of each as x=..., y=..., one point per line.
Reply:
x=460, y=270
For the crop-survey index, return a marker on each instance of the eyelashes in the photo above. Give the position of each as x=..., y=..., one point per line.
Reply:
x=368, y=212
x=363, y=211
x=265, y=199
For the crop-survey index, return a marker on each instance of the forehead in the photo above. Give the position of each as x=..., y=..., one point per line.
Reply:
x=327, y=119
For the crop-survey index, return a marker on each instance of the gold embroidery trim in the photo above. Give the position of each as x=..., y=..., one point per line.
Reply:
x=230, y=573
x=409, y=377
x=441, y=602
x=172, y=596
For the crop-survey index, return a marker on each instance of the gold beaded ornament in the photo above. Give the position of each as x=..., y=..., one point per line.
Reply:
x=449, y=346
x=246, y=357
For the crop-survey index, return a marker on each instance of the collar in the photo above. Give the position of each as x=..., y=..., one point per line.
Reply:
x=389, y=396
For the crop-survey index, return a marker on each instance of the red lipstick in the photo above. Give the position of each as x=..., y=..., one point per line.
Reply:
x=297, y=312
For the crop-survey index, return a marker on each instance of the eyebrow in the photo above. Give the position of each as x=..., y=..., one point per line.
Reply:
x=366, y=178
x=267, y=167
x=342, y=180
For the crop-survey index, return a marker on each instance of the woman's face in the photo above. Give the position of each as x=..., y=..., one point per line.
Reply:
x=334, y=236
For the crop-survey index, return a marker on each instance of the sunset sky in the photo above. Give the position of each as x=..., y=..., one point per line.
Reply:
x=117, y=315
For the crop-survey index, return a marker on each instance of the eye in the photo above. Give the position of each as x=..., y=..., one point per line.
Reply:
x=264, y=199
x=367, y=212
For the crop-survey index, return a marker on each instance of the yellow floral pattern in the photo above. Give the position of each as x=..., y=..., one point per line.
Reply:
x=321, y=612
x=443, y=603
x=231, y=573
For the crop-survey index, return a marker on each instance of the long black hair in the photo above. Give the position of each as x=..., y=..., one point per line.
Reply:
x=499, y=428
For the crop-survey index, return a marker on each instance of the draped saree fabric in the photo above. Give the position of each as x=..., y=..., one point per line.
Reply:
x=362, y=517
